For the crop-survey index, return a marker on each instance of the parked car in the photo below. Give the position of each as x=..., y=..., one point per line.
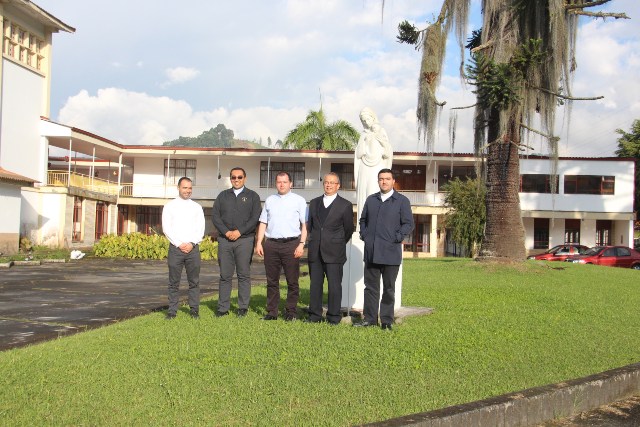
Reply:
x=560, y=252
x=612, y=256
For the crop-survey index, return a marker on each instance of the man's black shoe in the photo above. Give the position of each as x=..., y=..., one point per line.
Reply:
x=290, y=318
x=312, y=320
x=170, y=316
x=222, y=313
x=364, y=324
x=242, y=312
x=387, y=326
x=268, y=317
x=194, y=315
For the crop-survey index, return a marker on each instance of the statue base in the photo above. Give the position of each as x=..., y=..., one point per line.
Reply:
x=353, y=278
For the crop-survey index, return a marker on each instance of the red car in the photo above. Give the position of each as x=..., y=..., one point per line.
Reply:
x=612, y=256
x=560, y=252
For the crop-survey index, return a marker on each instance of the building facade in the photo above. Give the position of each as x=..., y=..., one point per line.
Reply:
x=123, y=190
x=25, y=82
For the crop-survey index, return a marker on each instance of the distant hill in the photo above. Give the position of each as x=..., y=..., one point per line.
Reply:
x=219, y=136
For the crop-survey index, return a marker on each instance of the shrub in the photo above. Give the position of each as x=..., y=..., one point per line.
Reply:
x=142, y=246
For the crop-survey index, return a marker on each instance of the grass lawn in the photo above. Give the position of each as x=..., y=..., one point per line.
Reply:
x=496, y=329
x=37, y=253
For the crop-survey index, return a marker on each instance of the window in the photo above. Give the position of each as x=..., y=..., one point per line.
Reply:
x=571, y=231
x=123, y=217
x=540, y=233
x=149, y=219
x=537, y=183
x=268, y=172
x=175, y=169
x=418, y=240
x=345, y=172
x=410, y=177
x=22, y=46
x=603, y=232
x=76, y=228
x=447, y=173
x=102, y=217
x=589, y=184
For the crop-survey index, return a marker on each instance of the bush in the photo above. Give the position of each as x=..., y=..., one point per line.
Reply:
x=141, y=246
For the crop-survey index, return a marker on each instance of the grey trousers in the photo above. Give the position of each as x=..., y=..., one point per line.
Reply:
x=235, y=257
x=191, y=263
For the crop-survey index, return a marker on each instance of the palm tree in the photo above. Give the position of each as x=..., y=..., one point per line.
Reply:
x=316, y=134
x=521, y=64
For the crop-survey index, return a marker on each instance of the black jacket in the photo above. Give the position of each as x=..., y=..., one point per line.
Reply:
x=231, y=212
x=329, y=238
x=383, y=227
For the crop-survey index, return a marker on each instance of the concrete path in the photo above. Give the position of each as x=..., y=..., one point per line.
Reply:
x=38, y=303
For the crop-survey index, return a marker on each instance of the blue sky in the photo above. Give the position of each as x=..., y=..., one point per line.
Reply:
x=139, y=72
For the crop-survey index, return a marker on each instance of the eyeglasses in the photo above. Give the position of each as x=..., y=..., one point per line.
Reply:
x=331, y=183
x=237, y=177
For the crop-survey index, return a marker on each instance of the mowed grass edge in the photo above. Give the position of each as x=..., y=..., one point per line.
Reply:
x=495, y=329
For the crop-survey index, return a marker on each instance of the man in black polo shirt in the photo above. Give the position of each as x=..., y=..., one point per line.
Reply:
x=235, y=216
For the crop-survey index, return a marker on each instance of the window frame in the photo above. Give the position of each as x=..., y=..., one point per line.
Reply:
x=603, y=185
x=174, y=169
x=269, y=170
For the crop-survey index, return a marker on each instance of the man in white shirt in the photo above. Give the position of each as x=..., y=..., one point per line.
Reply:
x=283, y=223
x=183, y=224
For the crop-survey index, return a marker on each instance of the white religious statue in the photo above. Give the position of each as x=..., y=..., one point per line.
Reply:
x=373, y=153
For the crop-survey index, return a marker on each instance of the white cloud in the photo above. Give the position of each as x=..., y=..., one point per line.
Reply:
x=179, y=75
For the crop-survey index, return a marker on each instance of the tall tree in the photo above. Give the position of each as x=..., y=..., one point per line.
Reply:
x=467, y=214
x=629, y=146
x=521, y=64
x=316, y=134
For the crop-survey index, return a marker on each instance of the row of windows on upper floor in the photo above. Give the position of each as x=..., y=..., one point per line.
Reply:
x=23, y=46
x=408, y=177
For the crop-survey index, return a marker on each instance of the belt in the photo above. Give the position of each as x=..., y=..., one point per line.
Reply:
x=284, y=239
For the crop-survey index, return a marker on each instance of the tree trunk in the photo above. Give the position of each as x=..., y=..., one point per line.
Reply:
x=504, y=232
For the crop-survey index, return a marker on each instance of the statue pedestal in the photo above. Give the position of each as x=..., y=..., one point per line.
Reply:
x=353, y=278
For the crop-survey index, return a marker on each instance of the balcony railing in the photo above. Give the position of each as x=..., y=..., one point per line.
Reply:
x=64, y=179
x=147, y=190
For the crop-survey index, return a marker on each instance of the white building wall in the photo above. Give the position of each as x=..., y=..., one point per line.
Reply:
x=43, y=217
x=22, y=98
x=621, y=201
x=10, y=212
x=9, y=218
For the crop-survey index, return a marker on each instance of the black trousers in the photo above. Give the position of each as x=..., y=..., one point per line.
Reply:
x=178, y=260
x=372, y=302
x=317, y=272
x=279, y=256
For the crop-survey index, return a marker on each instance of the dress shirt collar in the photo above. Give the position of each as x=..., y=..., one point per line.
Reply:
x=327, y=200
x=238, y=191
x=384, y=197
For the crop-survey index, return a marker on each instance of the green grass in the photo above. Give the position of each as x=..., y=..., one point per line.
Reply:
x=496, y=329
x=37, y=253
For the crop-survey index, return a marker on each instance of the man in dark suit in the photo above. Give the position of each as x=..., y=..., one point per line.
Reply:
x=330, y=226
x=385, y=221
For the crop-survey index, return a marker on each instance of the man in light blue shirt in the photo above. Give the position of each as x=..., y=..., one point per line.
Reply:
x=283, y=228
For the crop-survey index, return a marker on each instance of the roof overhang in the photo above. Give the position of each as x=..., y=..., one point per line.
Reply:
x=40, y=15
x=14, y=178
x=79, y=141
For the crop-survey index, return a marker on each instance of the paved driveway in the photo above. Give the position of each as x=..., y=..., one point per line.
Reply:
x=38, y=303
